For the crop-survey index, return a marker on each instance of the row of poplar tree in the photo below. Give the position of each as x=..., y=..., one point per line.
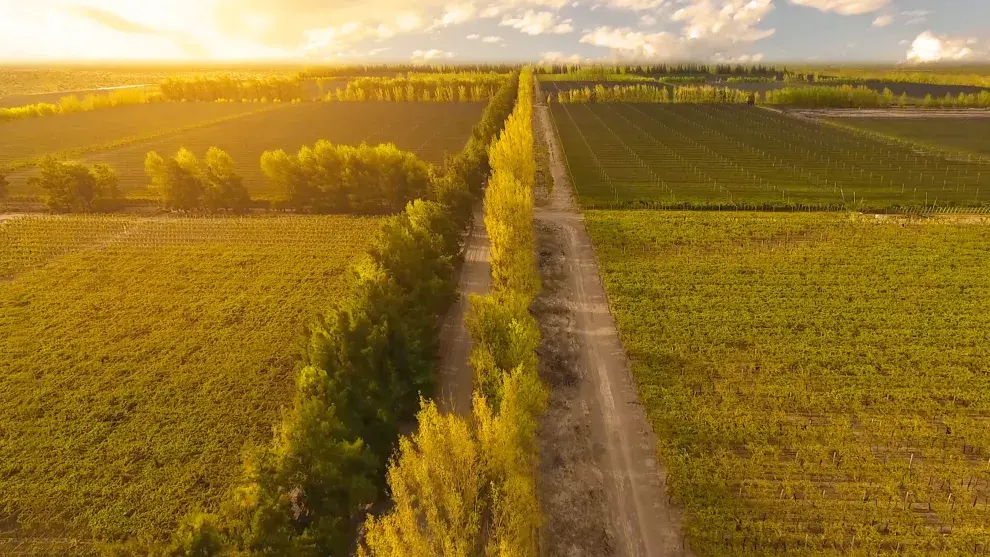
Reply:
x=365, y=365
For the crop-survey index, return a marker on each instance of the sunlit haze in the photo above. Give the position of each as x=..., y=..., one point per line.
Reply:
x=435, y=30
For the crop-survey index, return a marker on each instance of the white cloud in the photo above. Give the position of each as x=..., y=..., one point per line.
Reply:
x=928, y=47
x=377, y=51
x=648, y=20
x=491, y=39
x=432, y=54
x=558, y=58
x=473, y=37
x=538, y=23
x=916, y=16
x=635, y=5
x=883, y=21
x=454, y=14
x=729, y=20
x=844, y=7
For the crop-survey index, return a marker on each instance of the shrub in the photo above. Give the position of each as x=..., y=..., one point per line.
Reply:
x=183, y=184
x=328, y=178
x=76, y=188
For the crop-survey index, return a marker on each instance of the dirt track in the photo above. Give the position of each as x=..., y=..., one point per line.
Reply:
x=456, y=376
x=609, y=421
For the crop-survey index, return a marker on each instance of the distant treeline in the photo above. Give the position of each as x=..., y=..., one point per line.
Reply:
x=439, y=87
x=395, y=70
x=654, y=70
x=845, y=96
x=224, y=88
x=72, y=103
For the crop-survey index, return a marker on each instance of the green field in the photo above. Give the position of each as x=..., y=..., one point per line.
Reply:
x=138, y=358
x=817, y=381
x=720, y=156
x=430, y=130
x=24, y=140
x=964, y=135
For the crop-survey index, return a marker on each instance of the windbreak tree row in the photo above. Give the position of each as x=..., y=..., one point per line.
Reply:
x=365, y=365
x=466, y=485
x=226, y=88
x=71, y=103
x=442, y=87
x=328, y=178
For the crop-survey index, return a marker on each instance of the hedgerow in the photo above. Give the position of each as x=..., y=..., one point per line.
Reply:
x=465, y=486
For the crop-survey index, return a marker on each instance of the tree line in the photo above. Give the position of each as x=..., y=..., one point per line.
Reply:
x=365, y=365
x=439, y=87
x=396, y=70
x=72, y=103
x=284, y=89
x=466, y=485
x=685, y=69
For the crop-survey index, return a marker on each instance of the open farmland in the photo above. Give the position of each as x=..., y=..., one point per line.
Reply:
x=817, y=381
x=430, y=130
x=663, y=155
x=23, y=140
x=964, y=135
x=138, y=358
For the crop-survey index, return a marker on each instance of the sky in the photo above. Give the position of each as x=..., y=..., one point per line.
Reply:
x=432, y=31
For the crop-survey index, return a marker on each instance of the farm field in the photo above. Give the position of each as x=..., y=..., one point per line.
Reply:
x=27, y=81
x=34, y=137
x=140, y=356
x=817, y=381
x=971, y=136
x=430, y=130
x=663, y=155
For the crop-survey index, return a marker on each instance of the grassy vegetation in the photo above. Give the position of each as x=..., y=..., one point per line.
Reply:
x=704, y=156
x=430, y=130
x=142, y=355
x=964, y=135
x=816, y=380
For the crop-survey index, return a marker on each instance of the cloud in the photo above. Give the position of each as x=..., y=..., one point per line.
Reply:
x=558, y=58
x=915, y=16
x=729, y=20
x=648, y=20
x=844, y=7
x=505, y=6
x=491, y=39
x=432, y=54
x=454, y=14
x=538, y=23
x=185, y=42
x=711, y=31
x=377, y=51
x=883, y=21
x=473, y=37
x=928, y=47
x=635, y=5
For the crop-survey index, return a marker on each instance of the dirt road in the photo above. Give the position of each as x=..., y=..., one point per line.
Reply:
x=641, y=522
x=456, y=376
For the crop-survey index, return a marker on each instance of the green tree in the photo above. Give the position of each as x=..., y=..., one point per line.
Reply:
x=224, y=189
x=76, y=188
x=184, y=184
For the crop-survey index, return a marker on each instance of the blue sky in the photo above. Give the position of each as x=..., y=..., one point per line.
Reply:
x=492, y=30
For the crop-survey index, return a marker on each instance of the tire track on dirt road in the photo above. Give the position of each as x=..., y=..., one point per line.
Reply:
x=643, y=522
x=456, y=375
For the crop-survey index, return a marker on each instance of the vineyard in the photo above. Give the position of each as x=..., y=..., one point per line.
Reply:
x=23, y=140
x=817, y=381
x=430, y=130
x=718, y=156
x=141, y=356
x=970, y=136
